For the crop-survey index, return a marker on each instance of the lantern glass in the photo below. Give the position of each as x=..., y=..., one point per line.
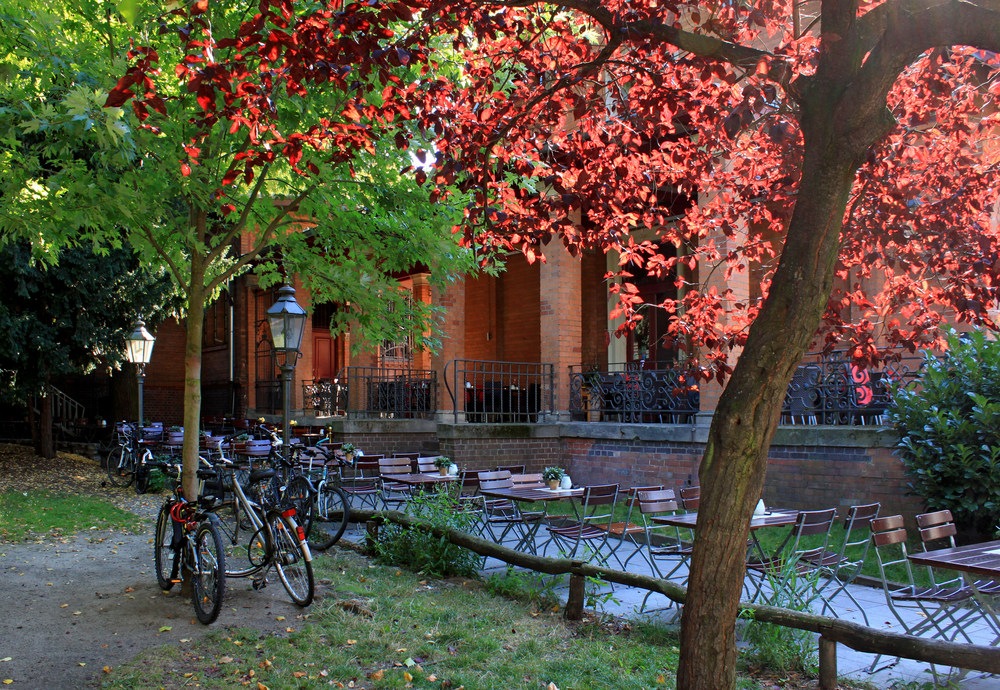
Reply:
x=288, y=322
x=139, y=345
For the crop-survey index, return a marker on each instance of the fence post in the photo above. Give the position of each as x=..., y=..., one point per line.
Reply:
x=574, y=601
x=827, y=664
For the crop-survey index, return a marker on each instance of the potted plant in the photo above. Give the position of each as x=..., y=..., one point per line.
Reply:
x=349, y=451
x=443, y=463
x=553, y=475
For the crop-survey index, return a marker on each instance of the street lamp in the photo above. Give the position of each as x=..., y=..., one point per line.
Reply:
x=288, y=323
x=139, y=350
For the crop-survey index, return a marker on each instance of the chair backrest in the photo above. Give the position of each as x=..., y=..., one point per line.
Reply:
x=495, y=480
x=937, y=531
x=632, y=494
x=809, y=523
x=470, y=480
x=889, y=532
x=411, y=456
x=426, y=465
x=394, y=466
x=598, y=503
x=657, y=501
x=513, y=469
x=690, y=497
x=857, y=534
x=936, y=526
x=527, y=481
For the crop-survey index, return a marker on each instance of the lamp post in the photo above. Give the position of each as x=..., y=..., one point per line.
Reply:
x=139, y=350
x=288, y=323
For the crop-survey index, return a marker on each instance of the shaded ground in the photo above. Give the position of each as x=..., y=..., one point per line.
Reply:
x=75, y=604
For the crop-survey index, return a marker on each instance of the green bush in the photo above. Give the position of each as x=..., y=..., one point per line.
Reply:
x=421, y=551
x=949, y=425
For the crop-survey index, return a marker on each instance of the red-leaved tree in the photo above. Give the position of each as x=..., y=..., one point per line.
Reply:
x=842, y=152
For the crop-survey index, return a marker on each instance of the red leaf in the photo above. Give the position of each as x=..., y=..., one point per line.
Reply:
x=185, y=169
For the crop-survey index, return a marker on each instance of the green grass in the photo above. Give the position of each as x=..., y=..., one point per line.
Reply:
x=382, y=627
x=37, y=514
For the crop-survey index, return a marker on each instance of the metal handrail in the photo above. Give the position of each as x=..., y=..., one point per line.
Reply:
x=385, y=392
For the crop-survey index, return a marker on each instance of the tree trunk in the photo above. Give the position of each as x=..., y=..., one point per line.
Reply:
x=735, y=460
x=192, y=381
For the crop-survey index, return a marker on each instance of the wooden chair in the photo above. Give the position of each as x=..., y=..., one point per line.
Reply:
x=394, y=494
x=513, y=469
x=935, y=611
x=843, y=567
x=527, y=481
x=597, y=508
x=787, y=571
x=361, y=482
x=690, y=498
x=506, y=515
x=628, y=531
x=666, y=548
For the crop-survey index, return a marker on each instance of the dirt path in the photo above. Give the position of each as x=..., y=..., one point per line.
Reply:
x=73, y=605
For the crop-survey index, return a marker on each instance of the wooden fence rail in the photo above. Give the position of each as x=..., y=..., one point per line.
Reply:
x=831, y=630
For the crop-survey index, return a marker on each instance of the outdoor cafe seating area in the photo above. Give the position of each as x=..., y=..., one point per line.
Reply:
x=920, y=583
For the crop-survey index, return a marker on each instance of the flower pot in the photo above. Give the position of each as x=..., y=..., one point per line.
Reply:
x=443, y=471
x=553, y=484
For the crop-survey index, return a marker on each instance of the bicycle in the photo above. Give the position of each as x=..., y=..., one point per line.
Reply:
x=126, y=465
x=331, y=511
x=188, y=536
x=258, y=536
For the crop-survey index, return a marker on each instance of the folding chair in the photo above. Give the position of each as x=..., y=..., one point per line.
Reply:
x=628, y=531
x=844, y=566
x=784, y=569
x=666, y=548
x=394, y=494
x=597, y=508
x=934, y=610
x=527, y=481
x=690, y=497
x=361, y=482
x=506, y=515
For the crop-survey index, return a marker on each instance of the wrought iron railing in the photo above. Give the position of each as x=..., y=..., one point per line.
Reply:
x=324, y=398
x=385, y=393
x=628, y=393
x=484, y=392
x=830, y=389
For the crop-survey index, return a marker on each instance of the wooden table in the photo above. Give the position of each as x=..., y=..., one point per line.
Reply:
x=978, y=559
x=529, y=495
x=532, y=495
x=772, y=518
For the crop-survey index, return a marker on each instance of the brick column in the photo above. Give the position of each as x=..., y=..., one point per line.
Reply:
x=452, y=301
x=422, y=293
x=561, y=320
x=710, y=275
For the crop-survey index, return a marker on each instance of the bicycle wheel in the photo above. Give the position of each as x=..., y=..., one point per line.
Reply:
x=163, y=554
x=300, y=493
x=246, y=547
x=209, y=572
x=291, y=559
x=333, y=512
x=141, y=476
x=120, y=466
